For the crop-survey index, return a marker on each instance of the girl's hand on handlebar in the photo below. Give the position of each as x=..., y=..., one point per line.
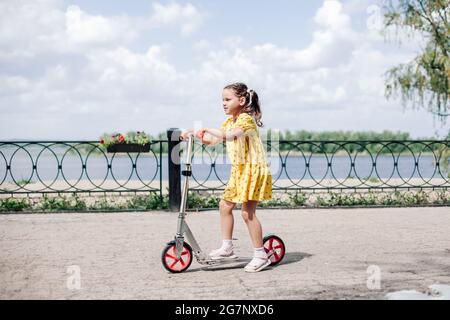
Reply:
x=184, y=135
x=200, y=133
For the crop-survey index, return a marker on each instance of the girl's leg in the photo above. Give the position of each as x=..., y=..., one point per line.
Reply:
x=260, y=259
x=253, y=224
x=226, y=225
x=226, y=218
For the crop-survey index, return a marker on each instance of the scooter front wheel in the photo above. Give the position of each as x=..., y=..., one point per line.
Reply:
x=170, y=261
x=275, y=244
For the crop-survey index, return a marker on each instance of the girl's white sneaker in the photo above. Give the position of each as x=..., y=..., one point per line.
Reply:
x=222, y=253
x=257, y=264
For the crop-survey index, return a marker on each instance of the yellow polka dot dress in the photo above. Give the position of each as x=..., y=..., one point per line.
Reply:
x=250, y=177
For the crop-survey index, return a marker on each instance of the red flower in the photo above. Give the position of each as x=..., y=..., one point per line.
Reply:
x=102, y=141
x=121, y=138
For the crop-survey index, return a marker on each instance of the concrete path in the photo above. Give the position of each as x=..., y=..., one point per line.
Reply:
x=331, y=254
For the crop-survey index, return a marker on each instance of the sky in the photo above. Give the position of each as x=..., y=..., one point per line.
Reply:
x=75, y=69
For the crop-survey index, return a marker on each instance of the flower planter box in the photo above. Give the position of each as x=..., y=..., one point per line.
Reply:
x=128, y=147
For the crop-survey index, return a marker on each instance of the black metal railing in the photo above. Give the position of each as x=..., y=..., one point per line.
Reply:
x=326, y=165
x=85, y=166
x=77, y=166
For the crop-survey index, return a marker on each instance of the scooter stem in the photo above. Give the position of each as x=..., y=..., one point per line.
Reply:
x=187, y=172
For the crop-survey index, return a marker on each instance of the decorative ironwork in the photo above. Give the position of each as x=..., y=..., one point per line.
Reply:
x=77, y=166
x=338, y=165
x=85, y=166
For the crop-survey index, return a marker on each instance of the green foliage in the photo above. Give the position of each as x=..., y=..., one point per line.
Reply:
x=405, y=198
x=443, y=198
x=105, y=204
x=139, y=137
x=14, y=204
x=362, y=142
x=208, y=201
x=24, y=182
x=298, y=199
x=424, y=81
x=62, y=203
x=275, y=202
x=374, y=180
x=150, y=202
x=195, y=200
x=321, y=202
x=443, y=156
x=396, y=198
x=342, y=199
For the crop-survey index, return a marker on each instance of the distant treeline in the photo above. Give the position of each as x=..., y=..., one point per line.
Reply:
x=320, y=142
x=321, y=138
x=344, y=135
x=364, y=141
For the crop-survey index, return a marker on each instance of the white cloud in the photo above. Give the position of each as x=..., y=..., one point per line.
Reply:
x=331, y=16
x=87, y=73
x=28, y=28
x=82, y=28
x=333, y=41
x=188, y=17
x=332, y=44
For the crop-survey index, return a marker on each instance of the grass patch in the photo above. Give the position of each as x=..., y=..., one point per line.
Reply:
x=206, y=200
x=149, y=202
x=62, y=203
x=202, y=201
x=24, y=182
x=14, y=205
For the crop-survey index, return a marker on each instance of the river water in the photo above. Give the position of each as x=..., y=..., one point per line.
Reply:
x=147, y=167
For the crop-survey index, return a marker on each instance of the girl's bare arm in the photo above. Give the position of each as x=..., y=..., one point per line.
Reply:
x=220, y=135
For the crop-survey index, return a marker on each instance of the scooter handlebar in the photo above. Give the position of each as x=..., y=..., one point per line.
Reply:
x=185, y=135
x=199, y=134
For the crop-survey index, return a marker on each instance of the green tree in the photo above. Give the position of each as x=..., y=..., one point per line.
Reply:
x=424, y=81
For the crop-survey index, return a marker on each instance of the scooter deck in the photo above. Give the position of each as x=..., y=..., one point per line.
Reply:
x=225, y=263
x=211, y=263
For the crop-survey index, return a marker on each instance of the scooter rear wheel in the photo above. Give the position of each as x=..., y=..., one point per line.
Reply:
x=170, y=261
x=273, y=242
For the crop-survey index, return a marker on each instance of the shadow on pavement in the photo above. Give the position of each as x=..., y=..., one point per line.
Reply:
x=290, y=257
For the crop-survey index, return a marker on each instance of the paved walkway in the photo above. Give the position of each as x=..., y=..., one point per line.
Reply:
x=331, y=254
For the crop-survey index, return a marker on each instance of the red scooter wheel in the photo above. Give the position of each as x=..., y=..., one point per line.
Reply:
x=170, y=261
x=275, y=244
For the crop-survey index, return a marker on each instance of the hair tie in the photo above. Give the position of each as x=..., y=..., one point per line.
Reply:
x=250, y=94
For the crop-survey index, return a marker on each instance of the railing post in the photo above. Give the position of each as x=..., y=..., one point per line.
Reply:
x=174, y=166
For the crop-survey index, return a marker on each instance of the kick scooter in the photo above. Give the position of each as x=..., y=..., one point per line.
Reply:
x=177, y=255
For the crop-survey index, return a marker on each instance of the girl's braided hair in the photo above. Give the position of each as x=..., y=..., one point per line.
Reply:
x=252, y=105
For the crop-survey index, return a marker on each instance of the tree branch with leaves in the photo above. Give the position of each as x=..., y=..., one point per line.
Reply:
x=424, y=81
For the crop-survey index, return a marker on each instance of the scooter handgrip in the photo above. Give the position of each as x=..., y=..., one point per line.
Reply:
x=186, y=173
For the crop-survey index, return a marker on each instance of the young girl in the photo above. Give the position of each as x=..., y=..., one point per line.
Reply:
x=250, y=179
